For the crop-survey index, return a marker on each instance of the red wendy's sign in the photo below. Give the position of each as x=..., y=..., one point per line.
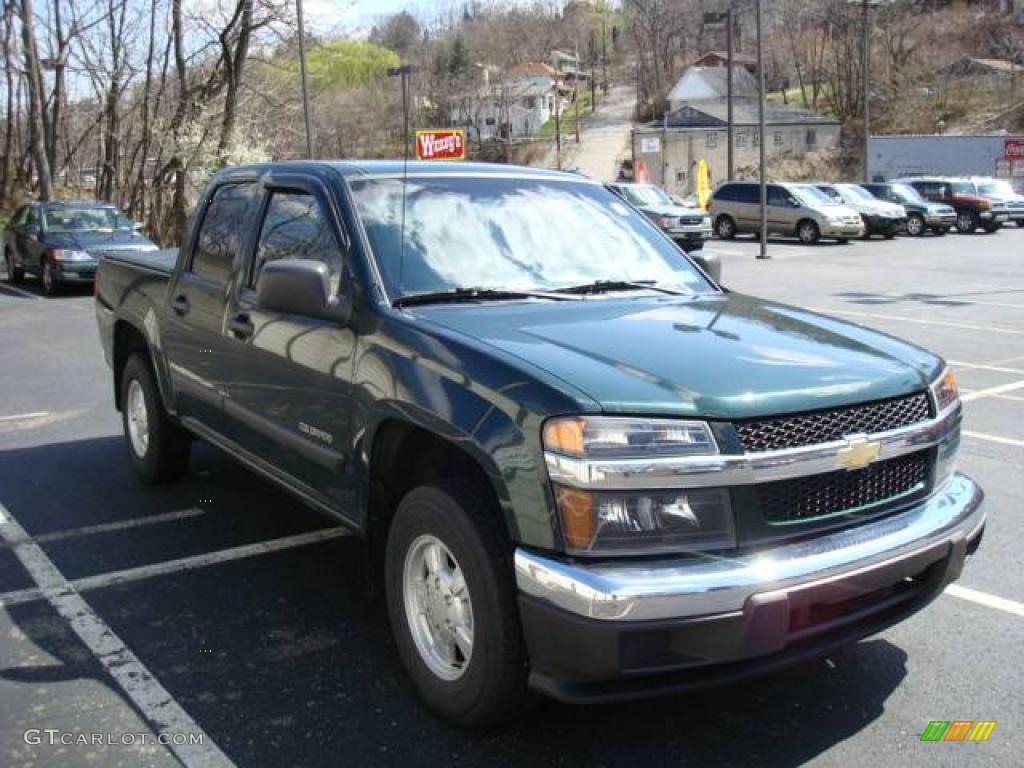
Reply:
x=1013, y=149
x=441, y=145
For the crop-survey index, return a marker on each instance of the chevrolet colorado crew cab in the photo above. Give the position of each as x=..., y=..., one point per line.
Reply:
x=581, y=465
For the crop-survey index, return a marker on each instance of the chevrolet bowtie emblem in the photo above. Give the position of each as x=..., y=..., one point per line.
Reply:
x=858, y=453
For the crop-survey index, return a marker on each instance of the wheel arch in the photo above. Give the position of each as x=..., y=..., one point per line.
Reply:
x=128, y=340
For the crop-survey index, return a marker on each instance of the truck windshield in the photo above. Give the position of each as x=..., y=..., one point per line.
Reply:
x=503, y=233
x=85, y=220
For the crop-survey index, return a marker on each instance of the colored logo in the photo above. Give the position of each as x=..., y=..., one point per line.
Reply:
x=858, y=453
x=958, y=730
x=441, y=145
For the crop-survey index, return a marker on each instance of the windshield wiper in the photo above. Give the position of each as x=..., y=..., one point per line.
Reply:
x=459, y=293
x=603, y=286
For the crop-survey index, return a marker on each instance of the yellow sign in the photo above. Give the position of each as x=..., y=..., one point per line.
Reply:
x=703, y=183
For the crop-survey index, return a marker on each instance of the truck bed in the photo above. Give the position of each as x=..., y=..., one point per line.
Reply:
x=155, y=261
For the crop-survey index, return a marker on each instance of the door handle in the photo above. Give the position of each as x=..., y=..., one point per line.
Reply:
x=180, y=304
x=241, y=326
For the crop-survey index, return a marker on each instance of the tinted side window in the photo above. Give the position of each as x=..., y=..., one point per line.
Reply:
x=726, y=192
x=748, y=193
x=32, y=216
x=224, y=226
x=297, y=227
x=778, y=196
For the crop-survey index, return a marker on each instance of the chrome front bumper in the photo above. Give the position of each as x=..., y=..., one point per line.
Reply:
x=708, y=585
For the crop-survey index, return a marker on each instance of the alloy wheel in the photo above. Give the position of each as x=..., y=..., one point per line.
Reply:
x=438, y=608
x=138, y=418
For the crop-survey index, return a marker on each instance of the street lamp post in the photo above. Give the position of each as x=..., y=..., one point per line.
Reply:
x=762, y=165
x=403, y=72
x=305, y=83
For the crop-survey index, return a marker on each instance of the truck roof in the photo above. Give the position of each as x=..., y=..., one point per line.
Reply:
x=367, y=168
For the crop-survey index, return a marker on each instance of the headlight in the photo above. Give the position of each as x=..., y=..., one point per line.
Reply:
x=945, y=390
x=706, y=221
x=66, y=255
x=635, y=521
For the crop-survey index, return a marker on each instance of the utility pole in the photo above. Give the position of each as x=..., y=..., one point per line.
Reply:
x=762, y=167
x=604, y=56
x=730, y=52
x=403, y=72
x=866, y=64
x=305, y=84
x=727, y=16
x=558, y=129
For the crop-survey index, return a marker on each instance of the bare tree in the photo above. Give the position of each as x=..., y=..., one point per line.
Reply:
x=33, y=71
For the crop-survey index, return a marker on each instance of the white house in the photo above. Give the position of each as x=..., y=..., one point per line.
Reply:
x=515, y=105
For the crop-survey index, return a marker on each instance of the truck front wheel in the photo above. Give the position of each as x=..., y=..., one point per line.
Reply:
x=159, y=448
x=452, y=604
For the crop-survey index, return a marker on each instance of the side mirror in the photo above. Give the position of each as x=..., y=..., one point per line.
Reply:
x=709, y=262
x=30, y=230
x=137, y=226
x=300, y=287
x=793, y=202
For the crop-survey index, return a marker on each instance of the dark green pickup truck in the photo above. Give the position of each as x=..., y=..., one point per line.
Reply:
x=582, y=466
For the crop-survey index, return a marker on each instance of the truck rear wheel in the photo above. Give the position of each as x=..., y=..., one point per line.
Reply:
x=159, y=448
x=452, y=604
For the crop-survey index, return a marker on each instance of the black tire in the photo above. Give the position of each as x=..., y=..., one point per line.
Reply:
x=808, y=232
x=993, y=226
x=492, y=684
x=916, y=226
x=50, y=277
x=165, y=457
x=14, y=274
x=842, y=240
x=725, y=227
x=966, y=222
x=1020, y=223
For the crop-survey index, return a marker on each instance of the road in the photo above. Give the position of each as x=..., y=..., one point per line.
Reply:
x=220, y=607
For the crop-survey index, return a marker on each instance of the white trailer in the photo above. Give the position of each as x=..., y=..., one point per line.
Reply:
x=986, y=155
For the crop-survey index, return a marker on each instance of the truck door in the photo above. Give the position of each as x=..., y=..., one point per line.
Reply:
x=197, y=297
x=289, y=393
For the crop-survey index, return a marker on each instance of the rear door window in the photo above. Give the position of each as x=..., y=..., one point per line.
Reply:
x=225, y=224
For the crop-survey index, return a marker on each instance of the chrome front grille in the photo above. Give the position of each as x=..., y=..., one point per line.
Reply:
x=826, y=426
x=808, y=498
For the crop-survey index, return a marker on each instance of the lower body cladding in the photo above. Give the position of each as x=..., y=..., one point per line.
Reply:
x=628, y=629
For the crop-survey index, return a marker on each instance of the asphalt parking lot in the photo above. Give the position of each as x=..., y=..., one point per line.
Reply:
x=219, y=606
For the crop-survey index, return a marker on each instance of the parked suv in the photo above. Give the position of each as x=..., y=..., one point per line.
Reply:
x=880, y=218
x=999, y=191
x=922, y=214
x=972, y=209
x=689, y=227
x=800, y=210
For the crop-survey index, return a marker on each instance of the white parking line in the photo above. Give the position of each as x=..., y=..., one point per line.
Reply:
x=993, y=438
x=921, y=320
x=194, y=562
x=25, y=416
x=984, y=598
x=120, y=525
x=26, y=294
x=985, y=367
x=208, y=558
x=1002, y=389
x=150, y=698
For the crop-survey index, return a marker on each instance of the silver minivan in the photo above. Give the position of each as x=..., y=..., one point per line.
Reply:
x=799, y=210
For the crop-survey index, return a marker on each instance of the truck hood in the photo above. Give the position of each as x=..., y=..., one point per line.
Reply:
x=725, y=356
x=99, y=241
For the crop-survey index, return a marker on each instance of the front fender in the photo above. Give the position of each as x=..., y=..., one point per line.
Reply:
x=488, y=404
